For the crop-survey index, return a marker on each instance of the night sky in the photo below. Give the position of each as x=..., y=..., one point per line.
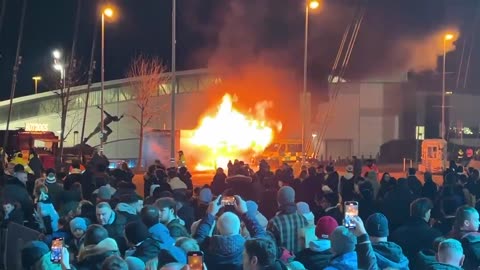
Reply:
x=241, y=30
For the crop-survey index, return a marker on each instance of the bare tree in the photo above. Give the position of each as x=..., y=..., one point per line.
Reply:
x=146, y=75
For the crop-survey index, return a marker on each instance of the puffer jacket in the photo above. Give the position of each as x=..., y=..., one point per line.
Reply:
x=347, y=261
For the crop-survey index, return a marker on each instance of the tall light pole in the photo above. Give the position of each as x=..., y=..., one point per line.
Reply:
x=174, y=82
x=59, y=66
x=443, y=125
x=35, y=81
x=109, y=13
x=309, y=4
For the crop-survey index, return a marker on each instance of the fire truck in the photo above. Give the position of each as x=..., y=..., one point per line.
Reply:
x=44, y=143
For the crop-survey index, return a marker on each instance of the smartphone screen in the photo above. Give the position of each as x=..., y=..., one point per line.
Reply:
x=228, y=200
x=56, y=253
x=351, y=211
x=195, y=260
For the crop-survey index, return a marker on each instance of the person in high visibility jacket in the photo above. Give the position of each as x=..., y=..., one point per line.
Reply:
x=181, y=159
x=18, y=159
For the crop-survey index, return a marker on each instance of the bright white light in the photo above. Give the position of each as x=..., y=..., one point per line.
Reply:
x=58, y=67
x=56, y=54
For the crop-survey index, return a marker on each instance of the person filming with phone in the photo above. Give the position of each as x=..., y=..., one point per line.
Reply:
x=225, y=249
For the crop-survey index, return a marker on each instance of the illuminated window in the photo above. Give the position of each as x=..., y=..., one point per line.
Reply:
x=467, y=131
x=420, y=132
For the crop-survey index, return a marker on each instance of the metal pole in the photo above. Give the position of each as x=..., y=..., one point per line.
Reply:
x=18, y=61
x=174, y=84
x=36, y=85
x=102, y=117
x=443, y=90
x=89, y=81
x=304, y=92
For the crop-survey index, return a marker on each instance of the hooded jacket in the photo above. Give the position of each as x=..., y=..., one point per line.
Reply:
x=347, y=261
x=317, y=256
x=390, y=255
x=225, y=249
x=176, y=183
x=147, y=250
x=161, y=234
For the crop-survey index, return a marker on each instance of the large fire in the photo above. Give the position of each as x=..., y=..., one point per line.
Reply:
x=230, y=134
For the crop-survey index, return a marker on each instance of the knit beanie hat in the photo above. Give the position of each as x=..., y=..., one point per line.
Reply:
x=377, y=225
x=342, y=241
x=32, y=252
x=78, y=223
x=304, y=209
x=286, y=195
x=51, y=178
x=104, y=193
x=135, y=263
x=325, y=226
x=205, y=195
x=136, y=232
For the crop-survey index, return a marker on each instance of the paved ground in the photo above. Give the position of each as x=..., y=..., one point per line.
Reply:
x=202, y=178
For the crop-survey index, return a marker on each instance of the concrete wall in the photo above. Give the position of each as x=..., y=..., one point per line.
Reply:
x=365, y=115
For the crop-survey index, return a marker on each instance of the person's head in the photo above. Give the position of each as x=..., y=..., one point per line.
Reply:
x=32, y=252
x=386, y=177
x=104, y=194
x=466, y=219
x=421, y=208
x=19, y=168
x=133, y=201
x=342, y=241
x=171, y=173
x=104, y=213
x=95, y=234
x=76, y=164
x=377, y=227
x=329, y=200
x=450, y=252
x=285, y=195
x=136, y=232
x=325, y=226
x=228, y=224
x=412, y=171
x=124, y=166
x=78, y=227
x=114, y=262
x=150, y=215
x=459, y=169
x=9, y=204
x=258, y=254
x=312, y=171
x=166, y=209
x=187, y=244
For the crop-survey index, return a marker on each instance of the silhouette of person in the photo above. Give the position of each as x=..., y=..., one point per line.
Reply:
x=106, y=121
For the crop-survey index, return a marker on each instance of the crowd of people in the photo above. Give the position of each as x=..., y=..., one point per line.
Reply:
x=243, y=219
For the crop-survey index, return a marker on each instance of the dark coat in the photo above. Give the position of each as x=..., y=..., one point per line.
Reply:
x=390, y=255
x=414, y=236
x=116, y=231
x=313, y=259
x=36, y=165
x=396, y=205
x=72, y=179
x=414, y=185
x=93, y=262
x=147, y=250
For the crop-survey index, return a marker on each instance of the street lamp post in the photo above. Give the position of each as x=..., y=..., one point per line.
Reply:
x=174, y=83
x=443, y=125
x=109, y=13
x=35, y=80
x=309, y=4
x=58, y=66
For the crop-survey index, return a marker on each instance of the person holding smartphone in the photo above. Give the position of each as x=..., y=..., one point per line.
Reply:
x=226, y=248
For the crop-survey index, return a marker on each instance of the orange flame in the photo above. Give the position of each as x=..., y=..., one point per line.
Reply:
x=230, y=134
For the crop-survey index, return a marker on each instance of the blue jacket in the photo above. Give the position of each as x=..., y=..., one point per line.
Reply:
x=390, y=255
x=161, y=234
x=347, y=261
x=222, y=250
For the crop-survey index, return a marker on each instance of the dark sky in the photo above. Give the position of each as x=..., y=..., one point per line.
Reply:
x=239, y=30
